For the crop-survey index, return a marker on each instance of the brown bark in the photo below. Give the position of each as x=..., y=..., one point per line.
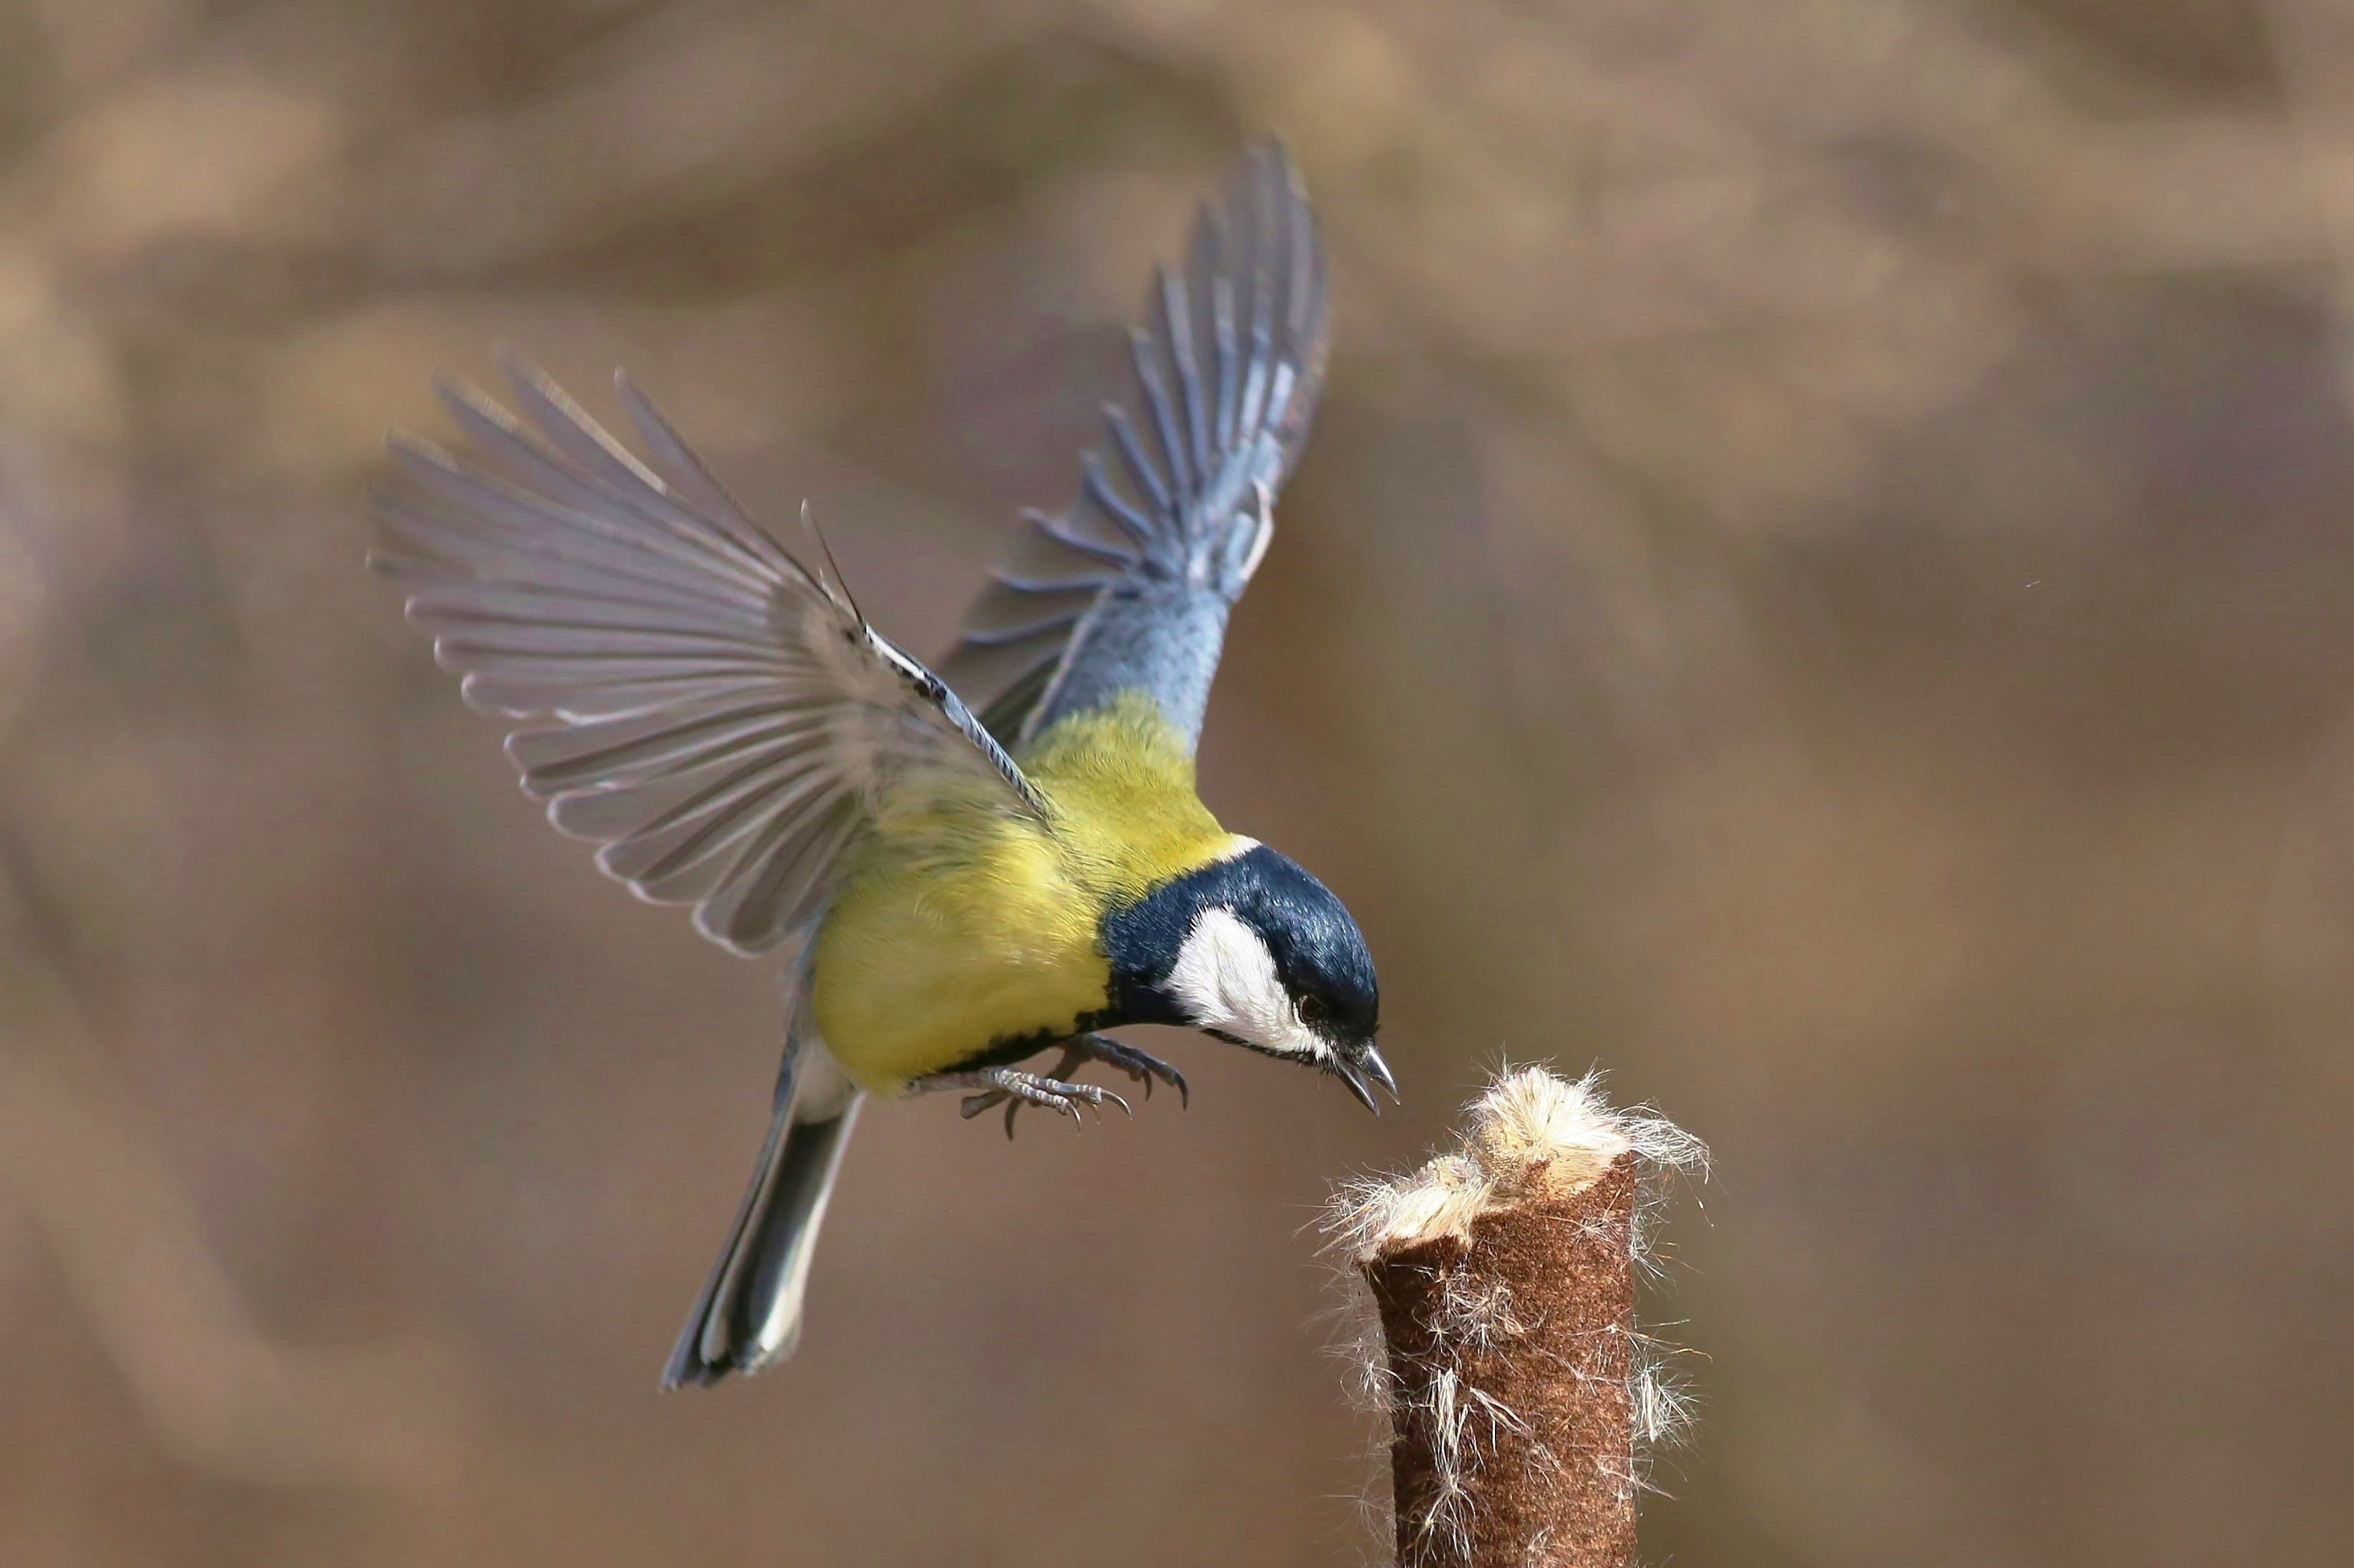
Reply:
x=1510, y=1350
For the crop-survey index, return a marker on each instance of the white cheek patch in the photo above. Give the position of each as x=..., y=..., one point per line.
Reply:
x=1225, y=978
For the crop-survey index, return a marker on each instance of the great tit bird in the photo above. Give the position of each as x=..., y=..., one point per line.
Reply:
x=962, y=891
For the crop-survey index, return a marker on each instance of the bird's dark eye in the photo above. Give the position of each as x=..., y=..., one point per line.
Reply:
x=1313, y=1010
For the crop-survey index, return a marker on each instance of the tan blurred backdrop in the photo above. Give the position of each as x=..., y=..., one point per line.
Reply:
x=1824, y=582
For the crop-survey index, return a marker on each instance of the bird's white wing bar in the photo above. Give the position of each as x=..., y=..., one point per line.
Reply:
x=724, y=718
x=1128, y=588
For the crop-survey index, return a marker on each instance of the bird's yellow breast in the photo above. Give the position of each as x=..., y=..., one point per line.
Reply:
x=963, y=925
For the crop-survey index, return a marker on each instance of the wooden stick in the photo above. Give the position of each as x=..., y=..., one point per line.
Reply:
x=1521, y=1395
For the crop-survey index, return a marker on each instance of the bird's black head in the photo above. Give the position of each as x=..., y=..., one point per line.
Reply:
x=1254, y=951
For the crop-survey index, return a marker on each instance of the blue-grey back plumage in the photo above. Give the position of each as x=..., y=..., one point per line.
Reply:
x=1128, y=588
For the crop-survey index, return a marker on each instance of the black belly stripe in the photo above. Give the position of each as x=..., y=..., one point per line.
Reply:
x=1009, y=1049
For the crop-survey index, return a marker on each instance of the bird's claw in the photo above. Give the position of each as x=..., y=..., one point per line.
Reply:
x=1014, y=1089
x=1142, y=1065
x=1055, y=1090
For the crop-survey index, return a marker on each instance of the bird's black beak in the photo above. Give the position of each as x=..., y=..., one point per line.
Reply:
x=1366, y=1070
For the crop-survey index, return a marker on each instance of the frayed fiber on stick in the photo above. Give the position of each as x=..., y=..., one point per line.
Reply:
x=1522, y=1400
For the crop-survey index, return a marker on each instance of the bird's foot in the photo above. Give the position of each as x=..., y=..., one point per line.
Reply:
x=1142, y=1065
x=1015, y=1088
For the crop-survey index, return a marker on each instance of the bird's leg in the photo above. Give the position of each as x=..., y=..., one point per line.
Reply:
x=976, y=1104
x=1140, y=1065
x=1020, y=1088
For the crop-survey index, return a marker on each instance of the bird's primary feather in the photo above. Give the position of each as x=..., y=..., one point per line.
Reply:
x=725, y=724
x=1128, y=588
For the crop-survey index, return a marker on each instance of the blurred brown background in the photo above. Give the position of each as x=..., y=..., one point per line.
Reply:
x=1824, y=582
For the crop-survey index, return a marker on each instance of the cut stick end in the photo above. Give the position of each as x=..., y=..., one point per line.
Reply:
x=1533, y=1135
x=1521, y=1398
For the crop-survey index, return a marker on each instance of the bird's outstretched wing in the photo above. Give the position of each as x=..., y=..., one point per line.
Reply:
x=723, y=720
x=1128, y=588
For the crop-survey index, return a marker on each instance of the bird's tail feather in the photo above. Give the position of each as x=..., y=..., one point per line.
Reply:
x=749, y=1315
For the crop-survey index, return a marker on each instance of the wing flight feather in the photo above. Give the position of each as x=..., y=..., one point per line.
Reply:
x=1174, y=503
x=723, y=720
